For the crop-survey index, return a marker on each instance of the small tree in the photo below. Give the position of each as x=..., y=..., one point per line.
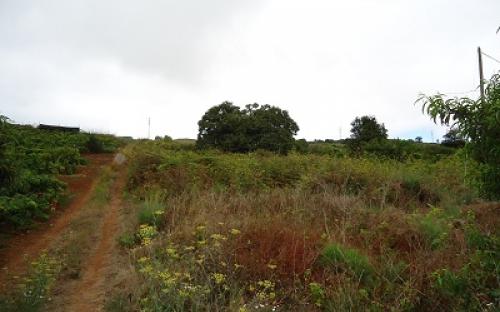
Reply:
x=478, y=121
x=366, y=128
x=418, y=139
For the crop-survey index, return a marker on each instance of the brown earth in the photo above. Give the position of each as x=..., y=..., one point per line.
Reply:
x=102, y=267
x=23, y=248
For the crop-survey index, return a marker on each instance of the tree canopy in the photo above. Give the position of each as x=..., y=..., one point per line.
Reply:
x=478, y=122
x=232, y=129
x=366, y=128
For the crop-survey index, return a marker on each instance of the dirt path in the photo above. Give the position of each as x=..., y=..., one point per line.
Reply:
x=89, y=293
x=23, y=248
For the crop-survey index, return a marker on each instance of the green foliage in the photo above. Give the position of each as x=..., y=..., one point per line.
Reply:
x=222, y=245
x=453, y=138
x=231, y=129
x=30, y=160
x=35, y=288
x=342, y=258
x=478, y=121
x=366, y=128
x=475, y=286
x=169, y=167
x=94, y=145
x=434, y=227
x=152, y=209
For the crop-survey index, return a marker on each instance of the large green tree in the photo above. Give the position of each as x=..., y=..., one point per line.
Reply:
x=366, y=128
x=232, y=129
x=478, y=121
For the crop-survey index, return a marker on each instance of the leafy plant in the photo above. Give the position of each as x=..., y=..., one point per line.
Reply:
x=478, y=121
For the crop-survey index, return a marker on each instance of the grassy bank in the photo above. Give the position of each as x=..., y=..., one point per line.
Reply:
x=307, y=232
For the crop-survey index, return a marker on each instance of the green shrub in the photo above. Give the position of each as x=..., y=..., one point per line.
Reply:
x=342, y=258
x=94, y=145
x=152, y=209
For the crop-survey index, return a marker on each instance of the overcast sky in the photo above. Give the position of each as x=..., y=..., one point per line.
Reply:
x=109, y=65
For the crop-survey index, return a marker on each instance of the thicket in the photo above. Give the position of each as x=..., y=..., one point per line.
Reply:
x=258, y=231
x=30, y=160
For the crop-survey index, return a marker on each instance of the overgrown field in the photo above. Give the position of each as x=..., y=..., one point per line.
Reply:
x=245, y=232
x=30, y=160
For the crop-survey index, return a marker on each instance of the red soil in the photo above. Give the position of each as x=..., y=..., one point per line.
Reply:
x=23, y=248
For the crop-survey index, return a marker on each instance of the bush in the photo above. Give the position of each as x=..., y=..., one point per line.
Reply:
x=94, y=145
x=341, y=259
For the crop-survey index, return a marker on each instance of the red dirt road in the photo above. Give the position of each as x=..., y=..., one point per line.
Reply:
x=89, y=293
x=24, y=248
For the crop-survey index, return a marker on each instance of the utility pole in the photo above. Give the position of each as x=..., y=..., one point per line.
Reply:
x=149, y=128
x=481, y=75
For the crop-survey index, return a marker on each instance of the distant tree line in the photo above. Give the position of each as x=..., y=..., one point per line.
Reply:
x=264, y=127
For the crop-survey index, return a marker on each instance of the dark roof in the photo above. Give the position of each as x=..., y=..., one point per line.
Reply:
x=58, y=128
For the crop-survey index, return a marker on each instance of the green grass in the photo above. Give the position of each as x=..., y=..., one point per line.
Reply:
x=351, y=260
x=312, y=232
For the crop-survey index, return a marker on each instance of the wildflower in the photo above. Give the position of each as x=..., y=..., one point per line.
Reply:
x=218, y=237
x=159, y=212
x=218, y=278
x=235, y=232
x=272, y=266
x=266, y=284
x=189, y=248
x=183, y=293
x=200, y=228
x=172, y=252
x=147, y=269
x=142, y=259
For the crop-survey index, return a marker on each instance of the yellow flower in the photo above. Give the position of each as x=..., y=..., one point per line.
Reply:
x=142, y=259
x=218, y=278
x=272, y=266
x=266, y=284
x=218, y=237
x=183, y=293
x=200, y=228
x=235, y=231
x=172, y=252
x=147, y=269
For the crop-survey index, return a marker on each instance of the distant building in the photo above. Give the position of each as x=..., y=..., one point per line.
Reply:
x=58, y=128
